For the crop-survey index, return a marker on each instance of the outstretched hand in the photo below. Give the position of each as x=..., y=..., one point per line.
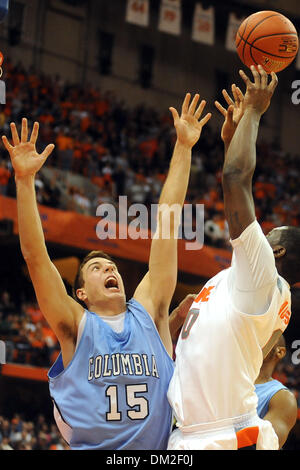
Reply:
x=24, y=157
x=258, y=94
x=188, y=126
x=233, y=114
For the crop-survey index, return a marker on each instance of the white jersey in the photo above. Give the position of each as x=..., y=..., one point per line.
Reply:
x=219, y=351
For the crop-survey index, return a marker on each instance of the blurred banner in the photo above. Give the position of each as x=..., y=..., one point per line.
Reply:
x=79, y=231
x=233, y=25
x=138, y=12
x=204, y=25
x=170, y=17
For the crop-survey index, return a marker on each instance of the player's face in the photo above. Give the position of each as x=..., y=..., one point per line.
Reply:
x=102, y=280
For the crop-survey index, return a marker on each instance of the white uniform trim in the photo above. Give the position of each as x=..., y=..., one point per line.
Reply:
x=64, y=428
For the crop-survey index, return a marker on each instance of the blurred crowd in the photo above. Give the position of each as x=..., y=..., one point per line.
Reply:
x=122, y=150
x=27, y=335
x=17, y=433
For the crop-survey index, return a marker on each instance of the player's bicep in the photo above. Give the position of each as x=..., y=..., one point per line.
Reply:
x=60, y=310
x=282, y=414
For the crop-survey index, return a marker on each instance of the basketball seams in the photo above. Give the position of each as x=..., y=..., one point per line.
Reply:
x=258, y=24
x=241, y=35
x=252, y=56
x=267, y=52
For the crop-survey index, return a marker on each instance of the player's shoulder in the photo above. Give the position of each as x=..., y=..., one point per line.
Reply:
x=285, y=399
x=220, y=276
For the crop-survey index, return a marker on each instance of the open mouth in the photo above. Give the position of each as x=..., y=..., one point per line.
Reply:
x=111, y=284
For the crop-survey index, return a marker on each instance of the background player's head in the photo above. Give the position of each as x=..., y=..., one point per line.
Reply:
x=98, y=282
x=277, y=352
x=285, y=242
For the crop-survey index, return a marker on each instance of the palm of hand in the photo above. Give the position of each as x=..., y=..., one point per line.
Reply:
x=188, y=129
x=229, y=128
x=25, y=159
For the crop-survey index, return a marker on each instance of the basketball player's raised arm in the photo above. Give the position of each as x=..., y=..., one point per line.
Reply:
x=240, y=158
x=157, y=288
x=59, y=309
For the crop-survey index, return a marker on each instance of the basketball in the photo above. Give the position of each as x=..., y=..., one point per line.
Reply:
x=269, y=39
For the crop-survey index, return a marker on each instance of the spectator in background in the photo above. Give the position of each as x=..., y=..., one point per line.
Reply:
x=4, y=445
x=4, y=177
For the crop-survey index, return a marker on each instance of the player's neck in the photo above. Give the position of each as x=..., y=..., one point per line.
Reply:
x=110, y=309
x=265, y=374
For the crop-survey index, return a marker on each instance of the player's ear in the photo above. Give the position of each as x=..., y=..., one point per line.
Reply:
x=279, y=251
x=281, y=352
x=81, y=294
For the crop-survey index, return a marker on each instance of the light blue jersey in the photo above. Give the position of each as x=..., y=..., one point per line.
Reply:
x=113, y=393
x=264, y=394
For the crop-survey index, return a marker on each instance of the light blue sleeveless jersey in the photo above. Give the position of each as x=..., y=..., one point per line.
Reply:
x=264, y=394
x=113, y=393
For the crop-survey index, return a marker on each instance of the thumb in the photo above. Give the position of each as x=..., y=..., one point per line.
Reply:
x=48, y=150
x=174, y=114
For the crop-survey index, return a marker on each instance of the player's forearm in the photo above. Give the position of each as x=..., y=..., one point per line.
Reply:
x=175, y=187
x=240, y=157
x=30, y=228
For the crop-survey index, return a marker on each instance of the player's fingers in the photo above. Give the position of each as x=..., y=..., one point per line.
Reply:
x=230, y=114
x=256, y=76
x=220, y=108
x=245, y=78
x=24, y=130
x=185, y=104
x=200, y=108
x=14, y=134
x=48, y=150
x=6, y=144
x=240, y=94
x=174, y=114
x=194, y=103
x=273, y=83
x=34, y=133
x=263, y=76
x=227, y=97
x=235, y=95
x=205, y=119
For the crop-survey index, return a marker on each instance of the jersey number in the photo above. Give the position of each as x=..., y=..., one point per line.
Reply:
x=189, y=322
x=132, y=401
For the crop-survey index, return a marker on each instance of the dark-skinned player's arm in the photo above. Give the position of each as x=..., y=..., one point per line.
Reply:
x=60, y=310
x=157, y=288
x=282, y=414
x=240, y=159
x=254, y=270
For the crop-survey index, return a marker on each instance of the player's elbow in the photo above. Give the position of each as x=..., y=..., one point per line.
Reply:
x=233, y=176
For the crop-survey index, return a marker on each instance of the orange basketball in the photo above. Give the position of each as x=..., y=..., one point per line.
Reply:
x=269, y=39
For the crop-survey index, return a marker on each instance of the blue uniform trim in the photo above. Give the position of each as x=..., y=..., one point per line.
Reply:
x=264, y=394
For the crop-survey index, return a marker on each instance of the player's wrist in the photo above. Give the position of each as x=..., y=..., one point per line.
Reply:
x=21, y=178
x=183, y=146
x=254, y=112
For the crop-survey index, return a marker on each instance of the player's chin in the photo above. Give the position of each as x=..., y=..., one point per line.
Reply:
x=114, y=292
